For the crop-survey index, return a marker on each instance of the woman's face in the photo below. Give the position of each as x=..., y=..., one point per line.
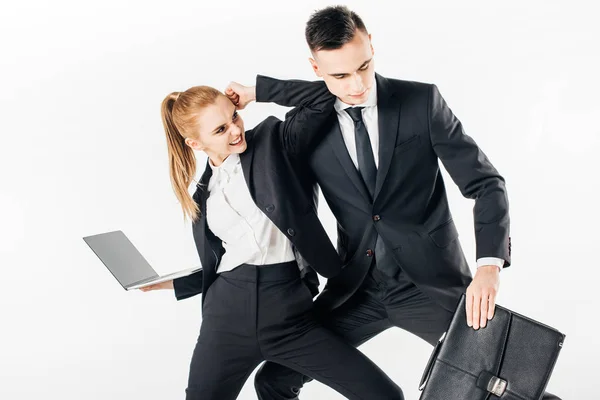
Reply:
x=220, y=132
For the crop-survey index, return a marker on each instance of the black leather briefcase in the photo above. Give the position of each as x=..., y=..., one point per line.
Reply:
x=510, y=359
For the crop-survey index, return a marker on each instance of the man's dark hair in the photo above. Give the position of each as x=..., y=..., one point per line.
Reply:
x=332, y=27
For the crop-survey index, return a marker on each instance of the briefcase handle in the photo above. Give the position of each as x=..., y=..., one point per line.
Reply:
x=431, y=362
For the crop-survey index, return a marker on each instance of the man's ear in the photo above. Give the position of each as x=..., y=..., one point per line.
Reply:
x=315, y=67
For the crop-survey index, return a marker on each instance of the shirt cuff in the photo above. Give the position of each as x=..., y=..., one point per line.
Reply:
x=490, y=261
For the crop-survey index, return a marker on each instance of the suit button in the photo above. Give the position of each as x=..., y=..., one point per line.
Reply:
x=369, y=253
x=376, y=218
x=291, y=232
x=270, y=208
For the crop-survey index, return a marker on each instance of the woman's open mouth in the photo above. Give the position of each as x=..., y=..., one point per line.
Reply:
x=237, y=141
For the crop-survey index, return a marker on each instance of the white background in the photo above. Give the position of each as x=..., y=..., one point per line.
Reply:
x=82, y=151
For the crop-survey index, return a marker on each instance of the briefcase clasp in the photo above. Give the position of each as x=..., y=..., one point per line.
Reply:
x=496, y=386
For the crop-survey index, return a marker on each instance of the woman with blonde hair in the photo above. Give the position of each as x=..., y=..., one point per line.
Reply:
x=256, y=231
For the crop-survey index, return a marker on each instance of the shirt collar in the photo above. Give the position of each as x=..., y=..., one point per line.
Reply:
x=228, y=165
x=223, y=173
x=370, y=102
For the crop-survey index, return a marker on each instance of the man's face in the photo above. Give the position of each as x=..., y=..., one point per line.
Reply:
x=349, y=71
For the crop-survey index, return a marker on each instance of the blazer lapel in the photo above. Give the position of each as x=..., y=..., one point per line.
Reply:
x=202, y=187
x=246, y=159
x=388, y=110
x=341, y=152
x=201, y=232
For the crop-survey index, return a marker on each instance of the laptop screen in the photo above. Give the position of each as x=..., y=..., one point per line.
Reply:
x=121, y=257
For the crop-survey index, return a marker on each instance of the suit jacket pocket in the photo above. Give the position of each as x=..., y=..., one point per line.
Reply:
x=444, y=234
x=412, y=142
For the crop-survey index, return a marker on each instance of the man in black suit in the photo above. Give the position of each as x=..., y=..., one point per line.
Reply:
x=377, y=165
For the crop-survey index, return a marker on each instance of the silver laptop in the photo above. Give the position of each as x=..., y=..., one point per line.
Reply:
x=126, y=263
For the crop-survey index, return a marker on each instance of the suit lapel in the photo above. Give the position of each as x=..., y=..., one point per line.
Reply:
x=202, y=187
x=388, y=110
x=340, y=150
x=246, y=159
x=206, y=175
x=203, y=243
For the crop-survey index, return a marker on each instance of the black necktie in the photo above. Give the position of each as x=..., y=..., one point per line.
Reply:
x=368, y=171
x=364, y=151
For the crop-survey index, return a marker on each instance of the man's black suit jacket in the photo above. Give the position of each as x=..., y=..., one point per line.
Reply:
x=410, y=209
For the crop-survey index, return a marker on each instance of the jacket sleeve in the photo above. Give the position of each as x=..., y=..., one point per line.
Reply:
x=475, y=176
x=188, y=286
x=313, y=105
